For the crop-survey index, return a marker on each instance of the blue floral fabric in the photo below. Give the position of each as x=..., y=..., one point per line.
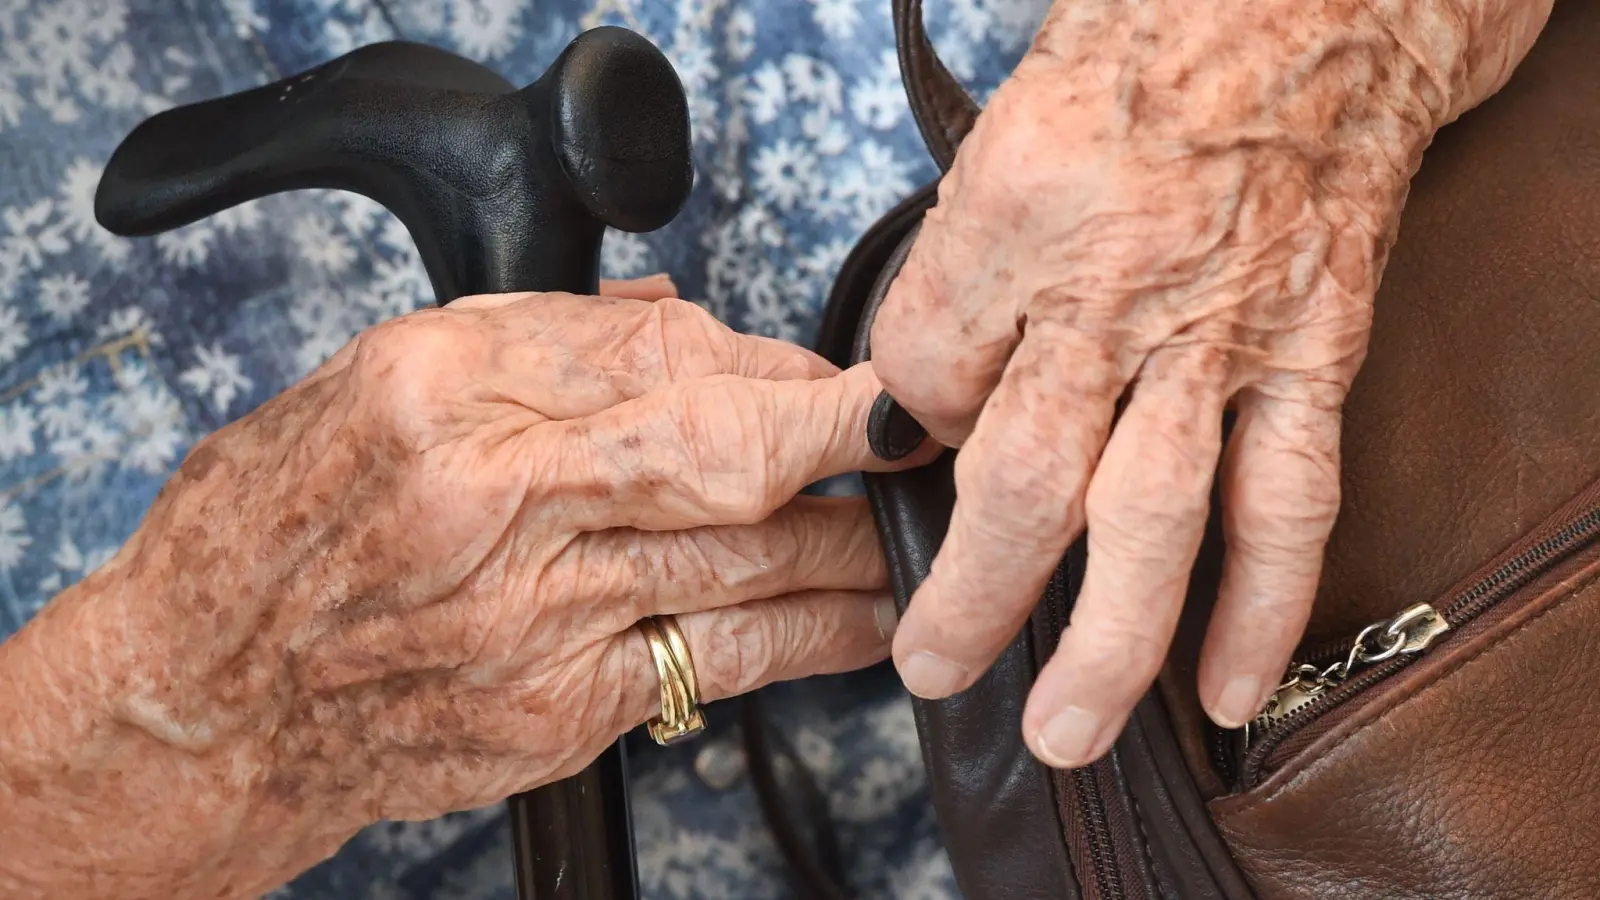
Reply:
x=117, y=355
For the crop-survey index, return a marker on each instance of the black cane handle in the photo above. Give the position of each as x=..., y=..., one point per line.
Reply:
x=502, y=190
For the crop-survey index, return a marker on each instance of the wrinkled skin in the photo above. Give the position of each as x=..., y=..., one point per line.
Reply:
x=407, y=586
x=1170, y=208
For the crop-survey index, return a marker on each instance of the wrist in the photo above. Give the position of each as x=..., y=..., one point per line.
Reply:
x=110, y=776
x=1330, y=88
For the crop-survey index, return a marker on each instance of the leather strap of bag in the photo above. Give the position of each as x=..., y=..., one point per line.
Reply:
x=944, y=111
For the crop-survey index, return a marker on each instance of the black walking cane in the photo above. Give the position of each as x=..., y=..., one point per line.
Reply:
x=502, y=190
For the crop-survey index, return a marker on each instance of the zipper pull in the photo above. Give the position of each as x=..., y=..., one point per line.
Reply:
x=1412, y=631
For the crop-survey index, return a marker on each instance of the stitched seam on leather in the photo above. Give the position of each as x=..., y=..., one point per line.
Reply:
x=1143, y=841
x=1454, y=667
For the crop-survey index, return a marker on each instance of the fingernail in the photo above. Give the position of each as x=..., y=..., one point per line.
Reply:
x=1071, y=739
x=931, y=677
x=891, y=431
x=888, y=618
x=1241, y=699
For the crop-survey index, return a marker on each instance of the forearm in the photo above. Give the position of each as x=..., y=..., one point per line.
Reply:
x=99, y=799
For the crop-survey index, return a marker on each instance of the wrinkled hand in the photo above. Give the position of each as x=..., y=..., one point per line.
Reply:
x=407, y=585
x=1169, y=208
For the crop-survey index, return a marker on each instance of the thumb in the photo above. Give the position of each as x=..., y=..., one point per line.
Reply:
x=649, y=288
x=942, y=337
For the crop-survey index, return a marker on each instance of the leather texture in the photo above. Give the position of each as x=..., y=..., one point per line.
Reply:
x=1475, y=777
x=995, y=801
x=983, y=780
x=502, y=190
x=1472, y=773
x=1475, y=414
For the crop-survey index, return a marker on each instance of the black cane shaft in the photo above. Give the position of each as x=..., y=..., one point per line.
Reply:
x=574, y=838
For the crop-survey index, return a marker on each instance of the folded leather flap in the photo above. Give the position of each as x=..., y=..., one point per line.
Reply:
x=1476, y=777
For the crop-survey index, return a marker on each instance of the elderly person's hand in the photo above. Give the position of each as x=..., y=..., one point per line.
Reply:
x=1171, y=207
x=408, y=585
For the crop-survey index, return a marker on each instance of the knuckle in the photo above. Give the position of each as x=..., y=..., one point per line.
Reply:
x=733, y=558
x=974, y=613
x=1283, y=510
x=1129, y=530
x=686, y=314
x=943, y=404
x=742, y=646
x=1125, y=645
x=947, y=405
x=723, y=437
x=782, y=361
x=679, y=559
x=1203, y=368
x=1140, y=516
x=689, y=340
x=910, y=324
x=1028, y=484
x=733, y=500
x=1280, y=528
x=410, y=339
x=995, y=147
x=400, y=364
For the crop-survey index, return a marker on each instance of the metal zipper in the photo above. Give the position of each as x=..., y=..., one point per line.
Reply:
x=1102, y=853
x=1082, y=786
x=1306, y=684
x=1313, y=688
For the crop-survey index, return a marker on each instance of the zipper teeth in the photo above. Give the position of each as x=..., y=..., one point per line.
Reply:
x=1224, y=753
x=1515, y=573
x=1486, y=592
x=1101, y=853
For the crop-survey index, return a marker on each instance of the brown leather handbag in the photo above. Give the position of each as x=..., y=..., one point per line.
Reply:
x=1440, y=737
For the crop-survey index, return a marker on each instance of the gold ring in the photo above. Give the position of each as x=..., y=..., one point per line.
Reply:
x=680, y=717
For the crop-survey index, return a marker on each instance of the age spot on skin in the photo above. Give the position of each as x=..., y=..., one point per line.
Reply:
x=202, y=459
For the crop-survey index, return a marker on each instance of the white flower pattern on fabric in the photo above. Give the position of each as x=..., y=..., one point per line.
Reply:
x=117, y=355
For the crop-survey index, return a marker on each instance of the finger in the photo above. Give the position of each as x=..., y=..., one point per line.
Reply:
x=1146, y=514
x=671, y=340
x=1019, y=487
x=1280, y=496
x=943, y=335
x=738, y=649
x=570, y=356
x=717, y=451
x=811, y=543
x=649, y=288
